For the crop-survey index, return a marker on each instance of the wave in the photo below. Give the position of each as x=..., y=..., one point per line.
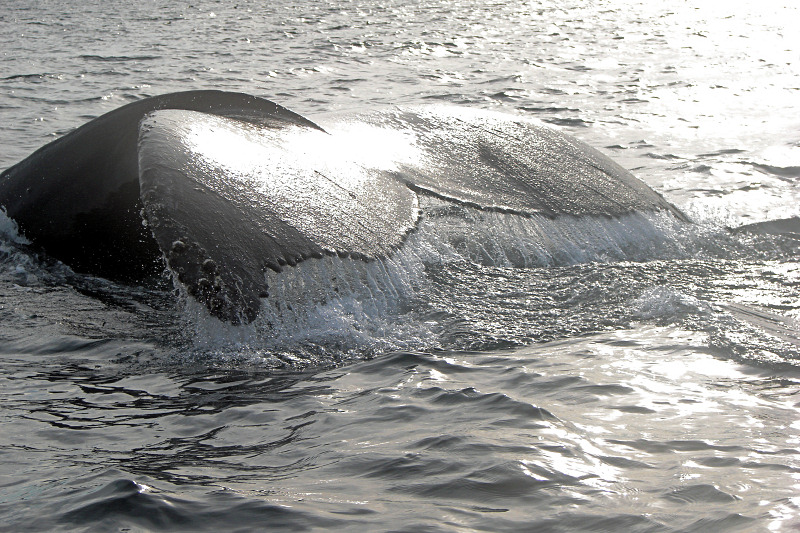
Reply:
x=124, y=503
x=96, y=57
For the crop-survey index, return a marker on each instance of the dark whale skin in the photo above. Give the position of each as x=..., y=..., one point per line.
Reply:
x=77, y=197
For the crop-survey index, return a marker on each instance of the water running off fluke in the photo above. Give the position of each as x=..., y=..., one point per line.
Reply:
x=227, y=190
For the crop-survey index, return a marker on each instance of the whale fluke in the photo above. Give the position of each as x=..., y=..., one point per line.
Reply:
x=224, y=186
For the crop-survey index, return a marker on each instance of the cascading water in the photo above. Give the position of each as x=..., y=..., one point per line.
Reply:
x=324, y=311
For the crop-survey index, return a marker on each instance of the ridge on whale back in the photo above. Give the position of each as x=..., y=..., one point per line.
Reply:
x=225, y=186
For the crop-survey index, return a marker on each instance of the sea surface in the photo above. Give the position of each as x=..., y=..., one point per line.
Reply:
x=637, y=374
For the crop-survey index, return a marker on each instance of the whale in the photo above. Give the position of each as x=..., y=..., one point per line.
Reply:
x=220, y=187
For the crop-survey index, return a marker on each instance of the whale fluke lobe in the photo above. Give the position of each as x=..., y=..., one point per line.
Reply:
x=497, y=161
x=78, y=196
x=225, y=187
x=249, y=199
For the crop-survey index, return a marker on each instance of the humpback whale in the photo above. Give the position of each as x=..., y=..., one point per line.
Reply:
x=222, y=186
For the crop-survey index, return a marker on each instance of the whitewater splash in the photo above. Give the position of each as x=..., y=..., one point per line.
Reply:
x=283, y=238
x=343, y=305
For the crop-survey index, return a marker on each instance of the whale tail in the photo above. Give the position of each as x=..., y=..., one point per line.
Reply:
x=226, y=187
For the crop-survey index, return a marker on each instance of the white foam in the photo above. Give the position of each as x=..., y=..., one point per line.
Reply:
x=18, y=265
x=321, y=310
x=666, y=302
x=341, y=306
x=9, y=230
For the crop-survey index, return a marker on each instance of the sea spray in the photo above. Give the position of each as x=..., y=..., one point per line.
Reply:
x=338, y=305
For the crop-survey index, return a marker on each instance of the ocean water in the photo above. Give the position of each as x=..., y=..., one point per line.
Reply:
x=496, y=374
